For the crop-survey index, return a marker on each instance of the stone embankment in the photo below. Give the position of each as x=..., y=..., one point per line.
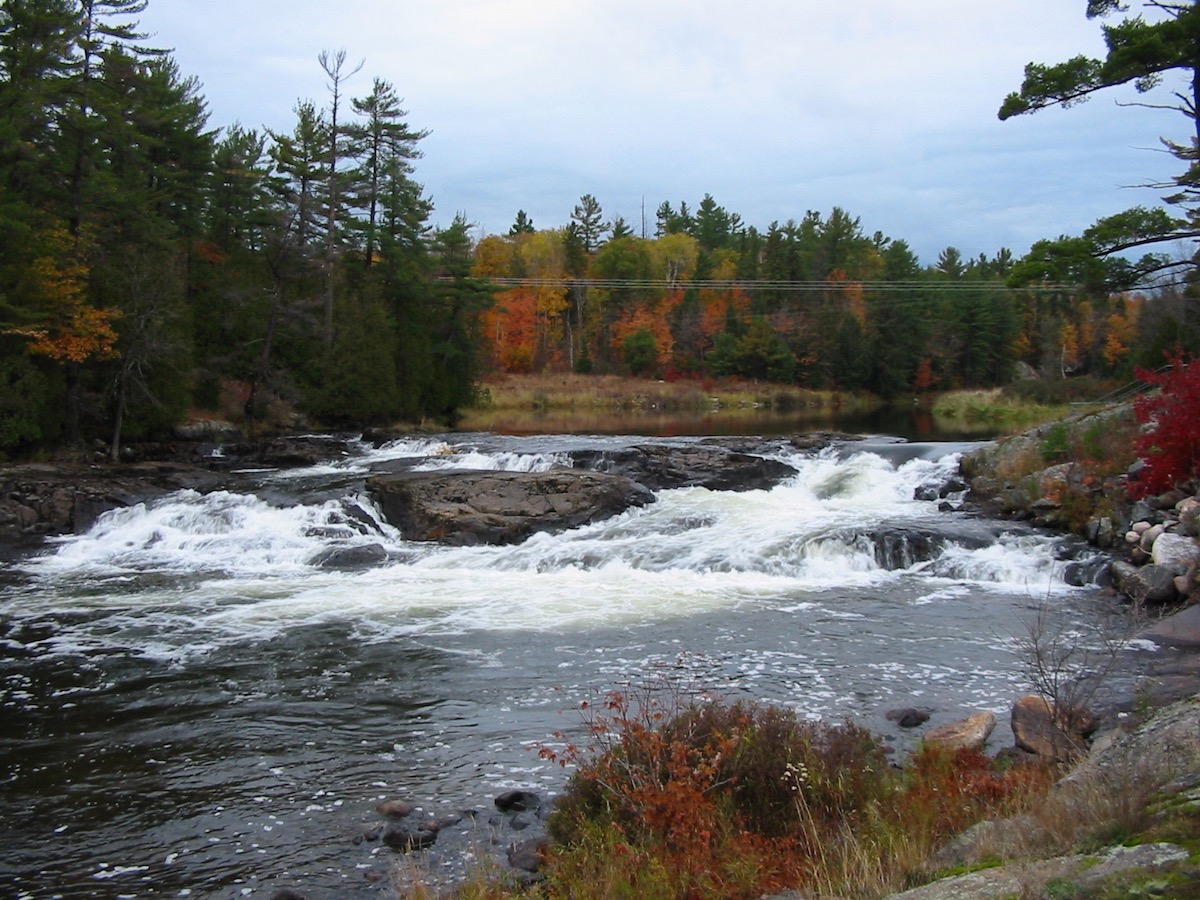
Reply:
x=1153, y=539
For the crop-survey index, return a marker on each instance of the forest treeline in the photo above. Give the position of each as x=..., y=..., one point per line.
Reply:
x=152, y=264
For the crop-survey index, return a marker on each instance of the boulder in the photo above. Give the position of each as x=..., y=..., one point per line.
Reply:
x=1182, y=629
x=818, y=440
x=1041, y=728
x=286, y=452
x=1189, y=516
x=660, y=467
x=970, y=733
x=908, y=717
x=40, y=500
x=1145, y=585
x=350, y=557
x=528, y=855
x=518, y=801
x=1175, y=551
x=1150, y=535
x=465, y=508
x=394, y=809
x=407, y=840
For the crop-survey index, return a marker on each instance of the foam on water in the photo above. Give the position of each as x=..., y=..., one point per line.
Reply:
x=192, y=572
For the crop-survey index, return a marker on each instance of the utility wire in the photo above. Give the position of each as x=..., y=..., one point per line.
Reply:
x=947, y=287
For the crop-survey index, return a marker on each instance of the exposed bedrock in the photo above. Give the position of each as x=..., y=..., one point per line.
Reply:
x=466, y=508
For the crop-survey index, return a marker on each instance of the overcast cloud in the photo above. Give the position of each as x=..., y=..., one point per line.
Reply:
x=886, y=108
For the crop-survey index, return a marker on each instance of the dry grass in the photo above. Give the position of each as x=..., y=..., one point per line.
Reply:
x=995, y=407
x=616, y=392
x=615, y=404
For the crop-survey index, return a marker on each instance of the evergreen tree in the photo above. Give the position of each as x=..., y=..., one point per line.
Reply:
x=588, y=217
x=522, y=225
x=458, y=303
x=389, y=146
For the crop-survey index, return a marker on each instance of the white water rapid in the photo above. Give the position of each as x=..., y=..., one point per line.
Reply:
x=210, y=693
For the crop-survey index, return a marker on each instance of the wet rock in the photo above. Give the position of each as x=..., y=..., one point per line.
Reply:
x=519, y=801
x=355, y=557
x=394, y=809
x=971, y=733
x=659, y=467
x=41, y=500
x=287, y=452
x=1082, y=572
x=819, y=440
x=370, y=836
x=1051, y=733
x=406, y=841
x=470, y=508
x=529, y=856
x=909, y=716
x=1147, y=585
x=1182, y=629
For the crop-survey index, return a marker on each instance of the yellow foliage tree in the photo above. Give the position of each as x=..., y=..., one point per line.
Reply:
x=494, y=257
x=70, y=329
x=1122, y=329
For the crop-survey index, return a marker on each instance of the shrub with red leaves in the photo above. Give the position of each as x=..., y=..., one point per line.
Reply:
x=1170, y=443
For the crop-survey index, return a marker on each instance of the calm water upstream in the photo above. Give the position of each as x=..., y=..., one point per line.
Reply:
x=194, y=706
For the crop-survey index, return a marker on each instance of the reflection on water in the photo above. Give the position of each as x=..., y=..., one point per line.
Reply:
x=911, y=421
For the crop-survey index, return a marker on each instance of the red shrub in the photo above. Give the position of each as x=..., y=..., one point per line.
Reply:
x=1170, y=444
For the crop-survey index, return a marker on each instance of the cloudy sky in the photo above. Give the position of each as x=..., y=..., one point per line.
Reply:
x=886, y=108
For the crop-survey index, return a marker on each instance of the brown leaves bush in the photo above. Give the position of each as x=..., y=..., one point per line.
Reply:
x=734, y=799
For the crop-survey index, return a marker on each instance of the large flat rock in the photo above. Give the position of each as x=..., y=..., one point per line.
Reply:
x=713, y=467
x=464, y=508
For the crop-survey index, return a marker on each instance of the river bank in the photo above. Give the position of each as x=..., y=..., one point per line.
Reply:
x=1073, y=475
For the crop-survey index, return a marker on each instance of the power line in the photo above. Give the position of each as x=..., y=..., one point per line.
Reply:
x=946, y=287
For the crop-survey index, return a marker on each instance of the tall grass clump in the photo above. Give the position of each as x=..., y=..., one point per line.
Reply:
x=715, y=799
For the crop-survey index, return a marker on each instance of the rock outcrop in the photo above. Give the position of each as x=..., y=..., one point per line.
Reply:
x=41, y=500
x=1156, y=538
x=659, y=467
x=463, y=508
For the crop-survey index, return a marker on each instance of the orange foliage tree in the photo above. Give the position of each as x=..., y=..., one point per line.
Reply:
x=69, y=329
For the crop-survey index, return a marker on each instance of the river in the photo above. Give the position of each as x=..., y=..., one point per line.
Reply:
x=194, y=706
